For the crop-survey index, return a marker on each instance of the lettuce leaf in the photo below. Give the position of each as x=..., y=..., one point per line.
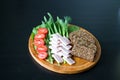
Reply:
x=72, y=28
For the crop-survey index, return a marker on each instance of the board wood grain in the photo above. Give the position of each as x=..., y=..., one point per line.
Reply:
x=81, y=65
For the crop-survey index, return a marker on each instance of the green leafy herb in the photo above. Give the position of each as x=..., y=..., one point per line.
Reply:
x=73, y=28
x=34, y=31
x=32, y=35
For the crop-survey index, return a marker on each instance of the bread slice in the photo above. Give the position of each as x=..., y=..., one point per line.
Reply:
x=83, y=45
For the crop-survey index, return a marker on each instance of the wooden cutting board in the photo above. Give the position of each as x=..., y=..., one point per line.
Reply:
x=81, y=65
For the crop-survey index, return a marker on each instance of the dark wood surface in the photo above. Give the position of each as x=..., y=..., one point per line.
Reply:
x=18, y=17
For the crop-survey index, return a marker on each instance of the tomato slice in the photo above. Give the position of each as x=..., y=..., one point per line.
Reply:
x=42, y=55
x=39, y=36
x=38, y=42
x=41, y=48
x=42, y=31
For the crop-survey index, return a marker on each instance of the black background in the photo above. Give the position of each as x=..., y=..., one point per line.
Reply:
x=18, y=17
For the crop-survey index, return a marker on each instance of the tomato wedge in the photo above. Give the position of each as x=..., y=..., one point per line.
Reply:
x=38, y=42
x=39, y=36
x=41, y=48
x=42, y=31
x=42, y=55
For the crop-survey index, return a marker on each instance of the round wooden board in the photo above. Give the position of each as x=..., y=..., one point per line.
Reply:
x=81, y=65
